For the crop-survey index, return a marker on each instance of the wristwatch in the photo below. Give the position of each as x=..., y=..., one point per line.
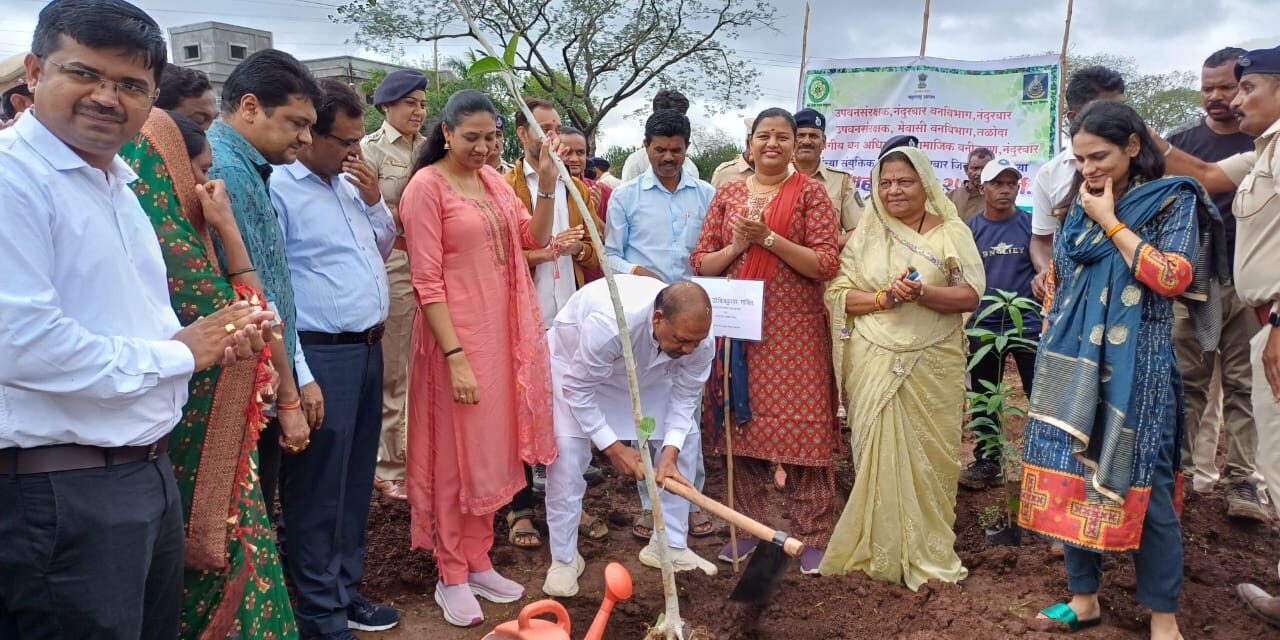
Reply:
x=1274, y=318
x=768, y=241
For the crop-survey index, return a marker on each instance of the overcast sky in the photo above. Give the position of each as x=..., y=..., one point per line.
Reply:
x=1161, y=35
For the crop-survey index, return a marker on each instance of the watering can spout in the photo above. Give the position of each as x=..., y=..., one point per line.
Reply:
x=617, y=586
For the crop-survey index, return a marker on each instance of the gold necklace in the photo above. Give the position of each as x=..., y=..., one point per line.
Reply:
x=753, y=184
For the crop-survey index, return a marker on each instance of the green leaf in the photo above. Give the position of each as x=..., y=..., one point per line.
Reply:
x=1002, y=344
x=646, y=427
x=990, y=309
x=485, y=66
x=509, y=54
x=1016, y=315
x=978, y=356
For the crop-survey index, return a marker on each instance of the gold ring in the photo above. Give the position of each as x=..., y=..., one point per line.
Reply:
x=229, y=327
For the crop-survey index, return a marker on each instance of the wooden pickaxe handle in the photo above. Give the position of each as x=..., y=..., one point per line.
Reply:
x=765, y=533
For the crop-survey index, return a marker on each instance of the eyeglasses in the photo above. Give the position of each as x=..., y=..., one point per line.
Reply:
x=346, y=144
x=126, y=91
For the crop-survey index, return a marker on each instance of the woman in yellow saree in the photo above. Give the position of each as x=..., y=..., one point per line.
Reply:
x=907, y=277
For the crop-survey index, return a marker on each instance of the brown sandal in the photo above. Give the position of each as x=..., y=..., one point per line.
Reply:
x=643, y=528
x=517, y=533
x=700, y=524
x=591, y=527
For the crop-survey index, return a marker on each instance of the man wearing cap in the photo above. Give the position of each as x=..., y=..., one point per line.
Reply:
x=811, y=139
x=968, y=196
x=402, y=99
x=1003, y=236
x=1216, y=136
x=604, y=176
x=15, y=96
x=500, y=142
x=1257, y=212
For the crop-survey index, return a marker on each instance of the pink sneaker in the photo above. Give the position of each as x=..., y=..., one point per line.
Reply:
x=460, y=606
x=495, y=588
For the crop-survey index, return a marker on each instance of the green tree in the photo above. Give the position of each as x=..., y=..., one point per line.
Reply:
x=712, y=147
x=588, y=56
x=1165, y=101
x=617, y=156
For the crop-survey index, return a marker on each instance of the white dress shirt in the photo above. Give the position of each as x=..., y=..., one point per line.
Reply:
x=85, y=323
x=589, y=375
x=1053, y=184
x=337, y=248
x=553, y=291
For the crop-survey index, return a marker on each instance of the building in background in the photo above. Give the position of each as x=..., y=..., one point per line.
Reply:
x=217, y=47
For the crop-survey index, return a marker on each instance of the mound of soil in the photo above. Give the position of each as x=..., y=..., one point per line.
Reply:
x=1005, y=588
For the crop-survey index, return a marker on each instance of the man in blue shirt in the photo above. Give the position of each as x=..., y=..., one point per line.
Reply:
x=268, y=107
x=652, y=227
x=1003, y=235
x=338, y=233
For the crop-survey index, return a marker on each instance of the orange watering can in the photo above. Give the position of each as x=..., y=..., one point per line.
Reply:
x=617, y=586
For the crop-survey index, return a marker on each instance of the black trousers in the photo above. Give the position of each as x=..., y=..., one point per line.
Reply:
x=92, y=553
x=525, y=498
x=989, y=369
x=325, y=490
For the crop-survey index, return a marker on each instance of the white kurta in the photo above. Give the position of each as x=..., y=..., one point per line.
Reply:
x=589, y=376
x=553, y=291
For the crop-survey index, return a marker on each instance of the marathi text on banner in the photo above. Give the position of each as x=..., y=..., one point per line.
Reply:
x=951, y=106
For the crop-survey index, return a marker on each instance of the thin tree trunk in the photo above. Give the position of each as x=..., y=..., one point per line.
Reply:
x=672, y=625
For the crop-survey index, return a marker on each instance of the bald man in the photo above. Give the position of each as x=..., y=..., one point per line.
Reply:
x=669, y=327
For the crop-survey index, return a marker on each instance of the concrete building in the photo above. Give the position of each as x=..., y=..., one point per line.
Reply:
x=216, y=48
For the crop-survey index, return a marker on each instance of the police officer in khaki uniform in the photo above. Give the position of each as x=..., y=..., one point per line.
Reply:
x=1257, y=266
x=811, y=139
x=15, y=96
x=402, y=100
x=739, y=168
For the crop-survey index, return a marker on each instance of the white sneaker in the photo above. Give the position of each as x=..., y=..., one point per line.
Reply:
x=562, y=578
x=681, y=559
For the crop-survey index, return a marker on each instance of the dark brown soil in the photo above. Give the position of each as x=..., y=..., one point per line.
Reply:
x=1005, y=588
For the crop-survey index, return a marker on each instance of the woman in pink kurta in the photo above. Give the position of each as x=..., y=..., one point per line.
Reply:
x=480, y=383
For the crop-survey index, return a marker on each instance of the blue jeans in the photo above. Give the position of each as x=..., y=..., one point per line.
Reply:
x=1158, y=560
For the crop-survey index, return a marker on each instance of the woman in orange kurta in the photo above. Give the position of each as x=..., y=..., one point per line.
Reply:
x=780, y=226
x=480, y=382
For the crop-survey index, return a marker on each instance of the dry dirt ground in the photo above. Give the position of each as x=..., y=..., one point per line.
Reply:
x=1005, y=588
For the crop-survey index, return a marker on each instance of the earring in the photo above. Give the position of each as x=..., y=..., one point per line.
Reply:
x=446, y=146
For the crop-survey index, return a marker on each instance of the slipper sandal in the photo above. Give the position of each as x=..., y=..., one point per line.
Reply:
x=1066, y=615
x=516, y=533
x=643, y=528
x=700, y=524
x=592, y=528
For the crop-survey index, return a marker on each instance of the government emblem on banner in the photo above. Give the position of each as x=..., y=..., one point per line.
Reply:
x=1035, y=86
x=819, y=90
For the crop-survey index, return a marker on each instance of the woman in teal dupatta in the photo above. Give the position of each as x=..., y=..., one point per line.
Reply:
x=233, y=586
x=1105, y=417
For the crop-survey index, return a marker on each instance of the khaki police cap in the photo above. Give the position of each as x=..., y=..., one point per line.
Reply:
x=13, y=71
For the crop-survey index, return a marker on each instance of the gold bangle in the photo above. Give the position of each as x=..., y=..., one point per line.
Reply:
x=878, y=305
x=1120, y=226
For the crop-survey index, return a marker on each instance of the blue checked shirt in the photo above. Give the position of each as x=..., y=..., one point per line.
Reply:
x=657, y=229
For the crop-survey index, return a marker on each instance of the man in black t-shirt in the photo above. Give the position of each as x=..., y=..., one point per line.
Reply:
x=1215, y=137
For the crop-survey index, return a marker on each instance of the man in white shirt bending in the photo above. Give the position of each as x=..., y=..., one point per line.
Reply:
x=669, y=327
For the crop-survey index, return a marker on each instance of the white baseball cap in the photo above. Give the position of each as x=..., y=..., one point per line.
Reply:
x=998, y=166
